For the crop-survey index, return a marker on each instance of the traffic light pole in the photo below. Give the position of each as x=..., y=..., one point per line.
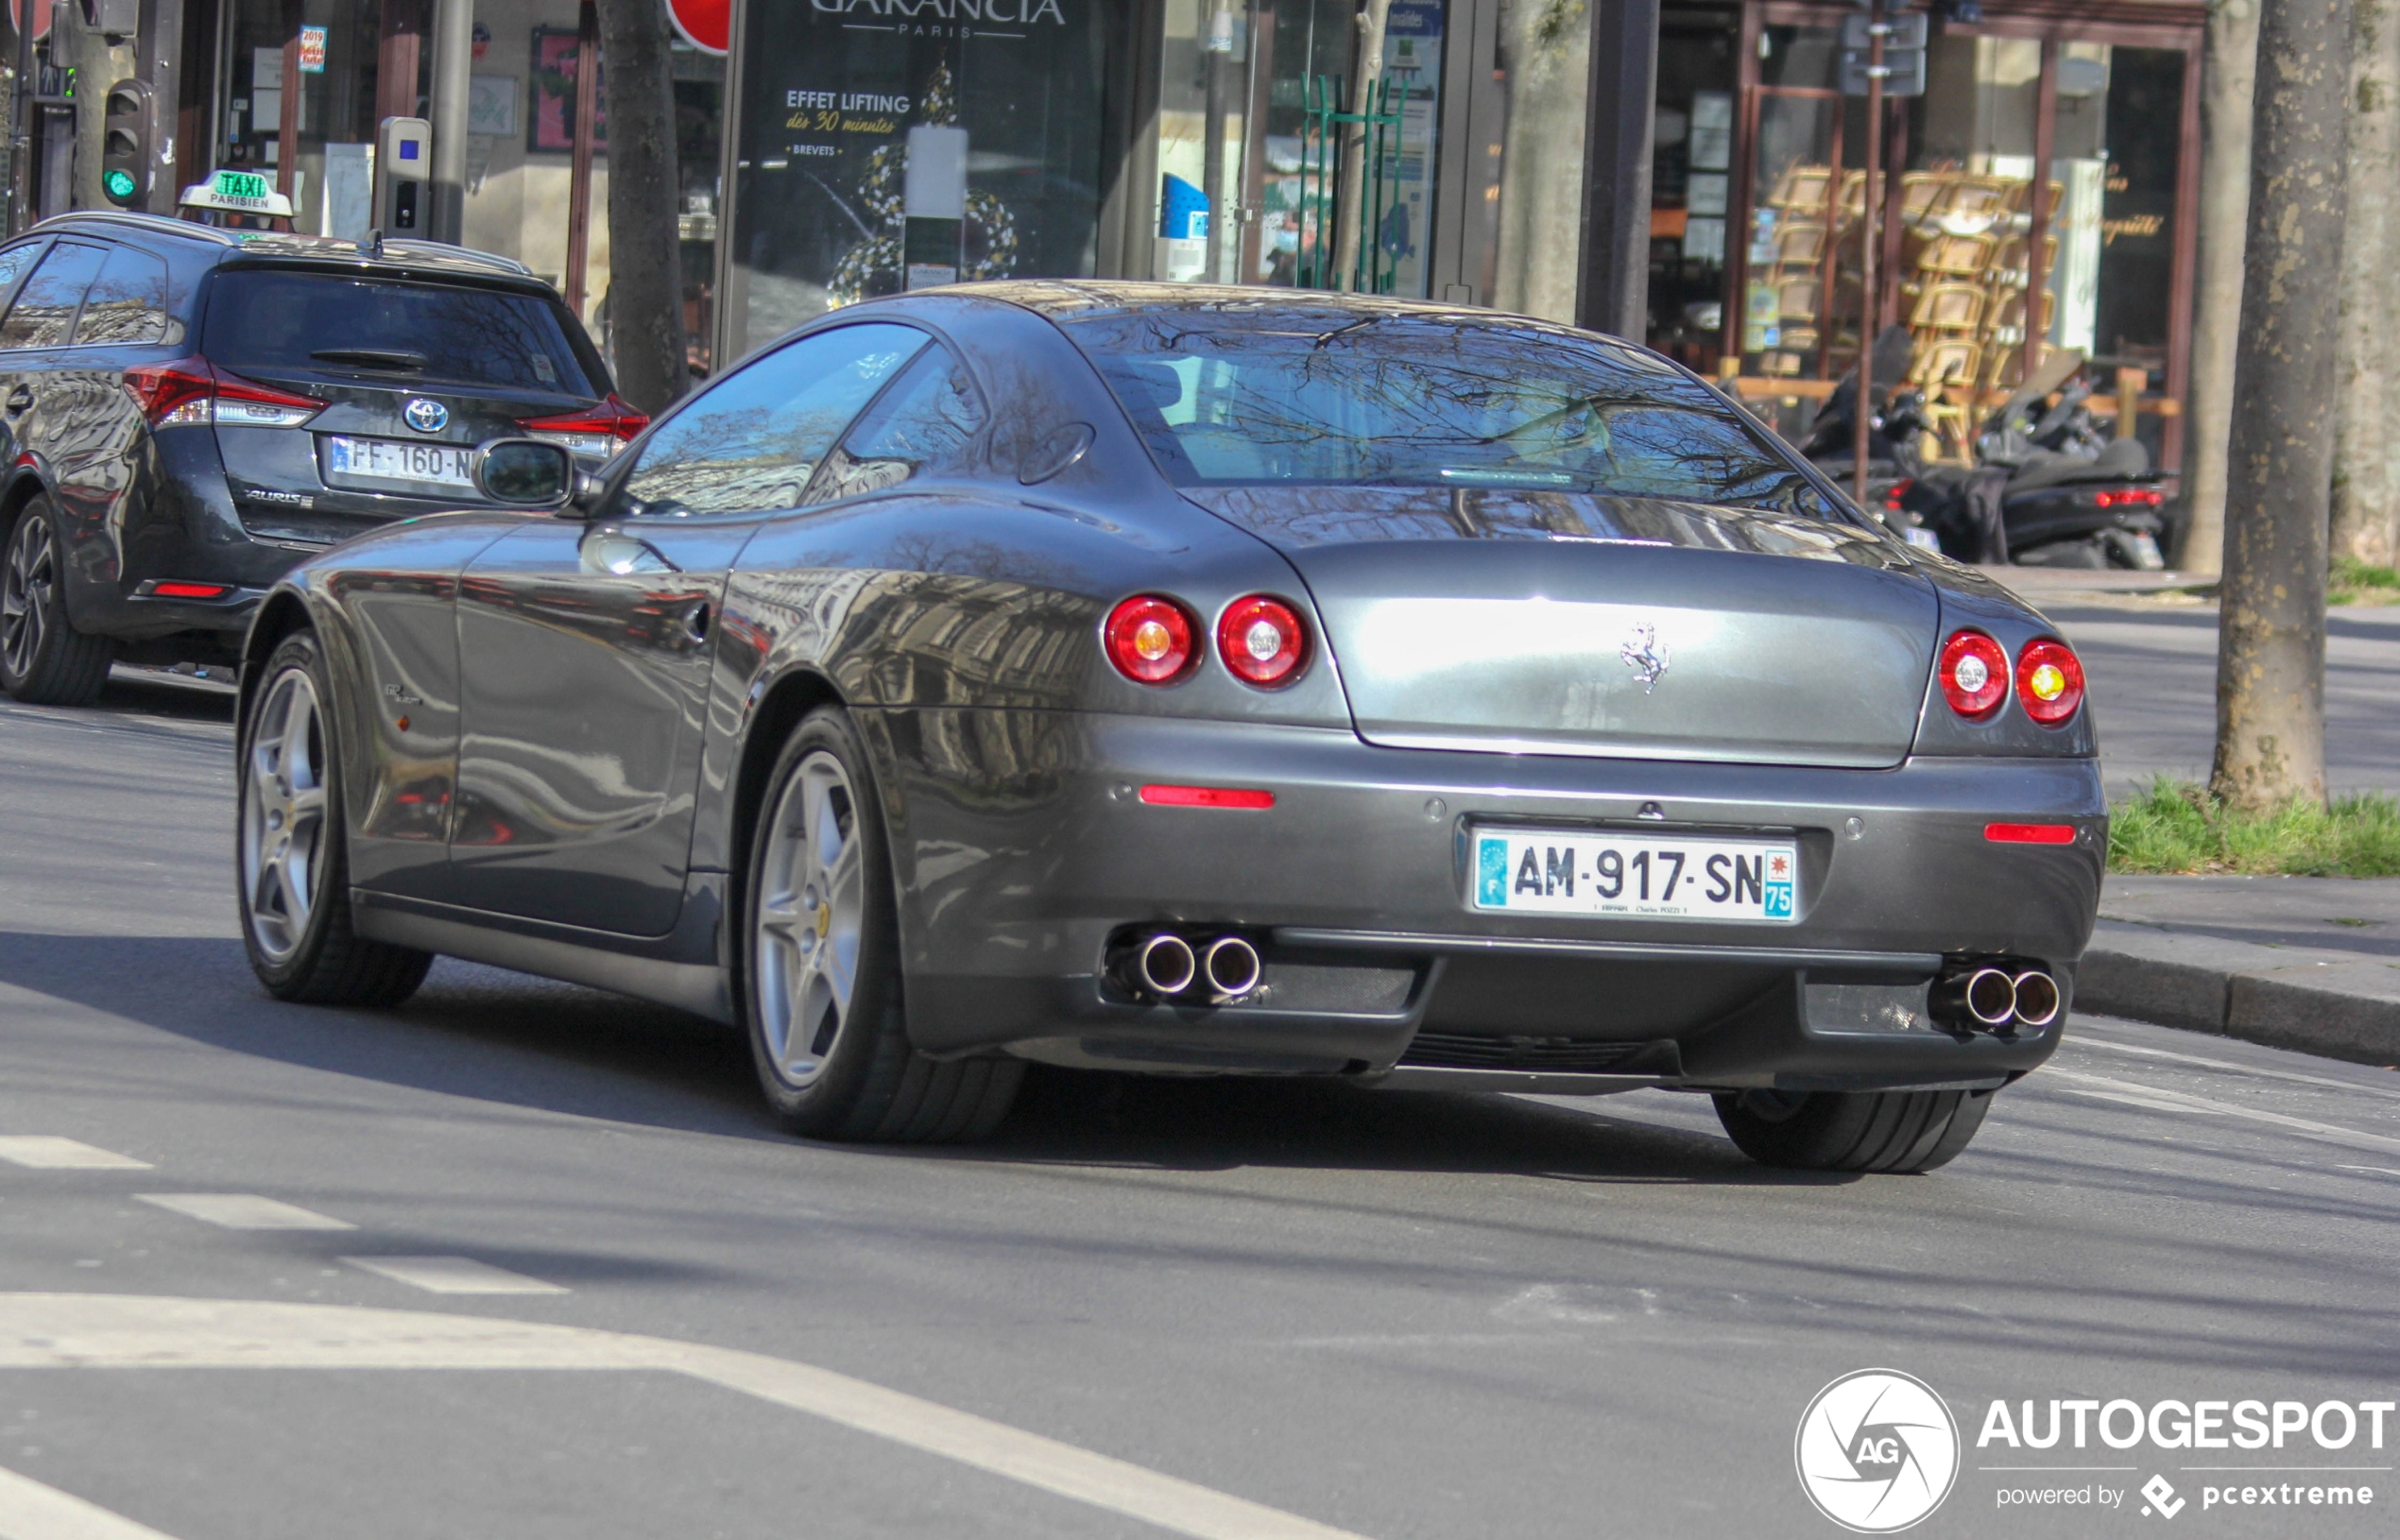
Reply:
x=21, y=121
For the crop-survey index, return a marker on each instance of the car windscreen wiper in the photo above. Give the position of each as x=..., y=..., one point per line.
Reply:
x=372, y=358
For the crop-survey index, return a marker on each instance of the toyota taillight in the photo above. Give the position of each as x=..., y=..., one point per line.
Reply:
x=595, y=434
x=2049, y=681
x=1261, y=639
x=192, y=390
x=1150, y=640
x=1974, y=674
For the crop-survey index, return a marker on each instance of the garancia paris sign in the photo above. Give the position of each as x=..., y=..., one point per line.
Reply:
x=1019, y=12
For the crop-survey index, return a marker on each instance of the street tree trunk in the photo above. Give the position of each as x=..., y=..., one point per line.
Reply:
x=2271, y=649
x=1350, y=215
x=2228, y=70
x=2366, y=451
x=645, y=269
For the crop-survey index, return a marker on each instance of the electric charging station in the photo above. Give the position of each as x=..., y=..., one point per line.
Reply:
x=404, y=175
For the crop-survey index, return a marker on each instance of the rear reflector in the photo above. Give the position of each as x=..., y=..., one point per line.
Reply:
x=1206, y=796
x=2029, y=833
x=189, y=590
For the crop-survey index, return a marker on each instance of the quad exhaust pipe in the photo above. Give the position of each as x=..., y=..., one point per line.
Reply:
x=1989, y=999
x=1164, y=965
x=2037, y=998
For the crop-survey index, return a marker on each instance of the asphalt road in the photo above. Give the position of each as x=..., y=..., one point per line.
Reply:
x=1272, y=1308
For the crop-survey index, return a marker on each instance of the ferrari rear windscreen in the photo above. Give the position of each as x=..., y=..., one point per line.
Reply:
x=1305, y=395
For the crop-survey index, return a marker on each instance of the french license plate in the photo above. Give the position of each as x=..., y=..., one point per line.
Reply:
x=396, y=462
x=1604, y=872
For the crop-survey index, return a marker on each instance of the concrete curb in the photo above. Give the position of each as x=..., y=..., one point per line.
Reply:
x=2338, y=1005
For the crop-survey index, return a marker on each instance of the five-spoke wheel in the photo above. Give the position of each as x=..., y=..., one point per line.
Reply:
x=821, y=981
x=43, y=659
x=291, y=853
x=283, y=815
x=812, y=904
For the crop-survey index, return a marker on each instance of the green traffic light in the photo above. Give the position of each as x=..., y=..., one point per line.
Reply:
x=119, y=184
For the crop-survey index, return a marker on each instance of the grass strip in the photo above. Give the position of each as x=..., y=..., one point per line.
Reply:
x=2176, y=827
x=2355, y=582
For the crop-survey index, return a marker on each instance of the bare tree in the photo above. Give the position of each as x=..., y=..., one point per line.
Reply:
x=2229, y=68
x=645, y=268
x=2271, y=649
x=2366, y=454
x=1350, y=215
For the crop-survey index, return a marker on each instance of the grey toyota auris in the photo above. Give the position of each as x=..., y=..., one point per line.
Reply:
x=1197, y=681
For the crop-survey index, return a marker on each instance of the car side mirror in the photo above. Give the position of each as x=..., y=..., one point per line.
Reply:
x=525, y=472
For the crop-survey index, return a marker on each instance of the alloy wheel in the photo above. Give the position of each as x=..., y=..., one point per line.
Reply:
x=284, y=815
x=29, y=595
x=811, y=911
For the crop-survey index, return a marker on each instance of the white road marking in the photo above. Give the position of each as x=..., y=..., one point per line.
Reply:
x=49, y=1152
x=2166, y=1101
x=29, y=1510
x=244, y=1211
x=2249, y=1072
x=128, y=1331
x=452, y=1275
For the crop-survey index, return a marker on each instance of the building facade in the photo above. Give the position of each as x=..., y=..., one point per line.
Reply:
x=849, y=147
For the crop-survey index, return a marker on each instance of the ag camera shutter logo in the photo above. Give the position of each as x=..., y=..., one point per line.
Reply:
x=1877, y=1451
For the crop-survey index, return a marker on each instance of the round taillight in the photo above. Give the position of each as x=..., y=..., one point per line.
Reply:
x=2049, y=681
x=1261, y=639
x=1149, y=639
x=1974, y=674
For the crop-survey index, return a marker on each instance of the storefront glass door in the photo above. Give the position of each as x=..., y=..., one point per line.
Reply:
x=885, y=147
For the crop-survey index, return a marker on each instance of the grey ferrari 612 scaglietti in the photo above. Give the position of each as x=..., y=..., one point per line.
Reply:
x=1193, y=681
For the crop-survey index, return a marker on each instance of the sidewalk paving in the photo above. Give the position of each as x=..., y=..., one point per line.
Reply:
x=2306, y=963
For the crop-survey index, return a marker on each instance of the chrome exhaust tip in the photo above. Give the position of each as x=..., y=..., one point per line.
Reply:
x=2037, y=998
x=1232, y=967
x=1164, y=964
x=1983, y=998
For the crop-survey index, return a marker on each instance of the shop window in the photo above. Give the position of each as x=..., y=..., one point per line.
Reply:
x=1691, y=184
x=878, y=154
x=2142, y=154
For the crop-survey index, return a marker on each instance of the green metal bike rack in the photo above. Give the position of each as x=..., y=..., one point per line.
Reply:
x=1321, y=192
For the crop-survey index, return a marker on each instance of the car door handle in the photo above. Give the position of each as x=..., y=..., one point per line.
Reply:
x=20, y=401
x=695, y=623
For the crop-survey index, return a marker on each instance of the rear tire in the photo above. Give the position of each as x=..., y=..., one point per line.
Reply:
x=43, y=659
x=291, y=849
x=1853, y=1131
x=820, y=963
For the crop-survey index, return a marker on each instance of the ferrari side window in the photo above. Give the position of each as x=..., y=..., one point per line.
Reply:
x=750, y=442
x=927, y=419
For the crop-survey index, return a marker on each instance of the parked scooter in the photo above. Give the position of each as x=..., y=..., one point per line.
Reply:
x=2048, y=490
x=1894, y=461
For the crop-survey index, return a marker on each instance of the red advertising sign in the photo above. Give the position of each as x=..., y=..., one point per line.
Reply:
x=706, y=25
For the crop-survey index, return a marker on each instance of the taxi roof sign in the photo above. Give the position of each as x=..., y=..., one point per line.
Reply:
x=241, y=191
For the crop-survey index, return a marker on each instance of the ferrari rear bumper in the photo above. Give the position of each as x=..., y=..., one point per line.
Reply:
x=1026, y=850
